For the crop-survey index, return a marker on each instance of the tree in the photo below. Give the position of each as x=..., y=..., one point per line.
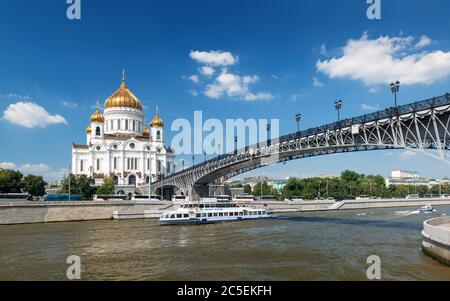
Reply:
x=10, y=181
x=34, y=185
x=107, y=188
x=78, y=185
x=247, y=189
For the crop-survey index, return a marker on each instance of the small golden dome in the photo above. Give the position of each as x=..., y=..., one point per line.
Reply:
x=146, y=131
x=88, y=130
x=123, y=98
x=97, y=116
x=157, y=121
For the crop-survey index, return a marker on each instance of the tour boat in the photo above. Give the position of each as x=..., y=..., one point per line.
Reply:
x=205, y=212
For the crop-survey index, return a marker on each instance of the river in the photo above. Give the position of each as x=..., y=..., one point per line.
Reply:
x=302, y=246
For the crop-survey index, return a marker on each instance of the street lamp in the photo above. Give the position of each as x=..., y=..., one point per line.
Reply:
x=298, y=117
x=193, y=160
x=268, y=133
x=204, y=154
x=395, y=88
x=182, y=162
x=235, y=144
x=338, y=107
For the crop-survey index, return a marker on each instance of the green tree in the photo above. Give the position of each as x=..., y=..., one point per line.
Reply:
x=34, y=185
x=78, y=185
x=10, y=181
x=107, y=188
x=247, y=189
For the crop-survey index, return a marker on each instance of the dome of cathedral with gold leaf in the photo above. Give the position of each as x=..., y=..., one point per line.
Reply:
x=157, y=121
x=123, y=98
x=97, y=116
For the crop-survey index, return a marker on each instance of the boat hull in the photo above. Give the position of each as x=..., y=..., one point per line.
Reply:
x=202, y=221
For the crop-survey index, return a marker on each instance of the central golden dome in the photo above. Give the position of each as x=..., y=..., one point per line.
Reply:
x=123, y=98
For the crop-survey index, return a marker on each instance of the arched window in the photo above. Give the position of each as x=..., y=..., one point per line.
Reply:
x=126, y=124
x=98, y=131
x=132, y=180
x=158, y=135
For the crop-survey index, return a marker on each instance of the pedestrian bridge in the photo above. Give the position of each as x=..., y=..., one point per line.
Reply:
x=419, y=126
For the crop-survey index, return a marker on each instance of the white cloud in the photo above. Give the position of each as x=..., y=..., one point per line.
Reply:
x=30, y=115
x=317, y=82
x=69, y=104
x=34, y=168
x=207, y=71
x=367, y=107
x=373, y=90
x=214, y=58
x=7, y=165
x=381, y=60
x=194, y=78
x=233, y=85
x=407, y=155
x=424, y=41
x=193, y=93
x=17, y=96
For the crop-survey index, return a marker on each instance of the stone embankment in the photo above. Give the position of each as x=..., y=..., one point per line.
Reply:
x=26, y=213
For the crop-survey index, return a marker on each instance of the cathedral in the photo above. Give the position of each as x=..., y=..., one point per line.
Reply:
x=121, y=146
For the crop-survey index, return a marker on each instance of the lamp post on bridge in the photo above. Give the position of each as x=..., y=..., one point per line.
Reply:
x=204, y=155
x=182, y=163
x=269, y=126
x=193, y=160
x=395, y=88
x=235, y=144
x=338, y=107
x=298, y=117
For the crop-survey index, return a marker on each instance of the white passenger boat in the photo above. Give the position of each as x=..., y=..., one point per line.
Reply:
x=208, y=211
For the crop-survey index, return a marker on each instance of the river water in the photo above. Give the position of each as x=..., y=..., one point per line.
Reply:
x=303, y=246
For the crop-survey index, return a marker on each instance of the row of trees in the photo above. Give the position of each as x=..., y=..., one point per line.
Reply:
x=351, y=184
x=348, y=186
x=12, y=181
x=82, y=185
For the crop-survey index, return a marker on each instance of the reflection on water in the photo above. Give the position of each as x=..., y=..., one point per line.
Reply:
x=307, y=246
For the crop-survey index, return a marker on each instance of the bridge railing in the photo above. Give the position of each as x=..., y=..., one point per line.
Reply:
x=383, y=114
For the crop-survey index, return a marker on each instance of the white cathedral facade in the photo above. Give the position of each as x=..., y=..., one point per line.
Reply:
x=119, y=144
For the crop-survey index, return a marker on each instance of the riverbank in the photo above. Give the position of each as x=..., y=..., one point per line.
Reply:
x=29, y=213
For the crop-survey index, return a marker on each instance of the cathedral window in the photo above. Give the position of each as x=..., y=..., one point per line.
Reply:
x=118, y=124
x=132, y=145
x=81, y=166
x=168, y=167
x=98, y=131
x=126, y=124
x=98, y=148
x=98, y=164
x=158, y=135
x=134, y=125
x=115, y=163
x=158, y=164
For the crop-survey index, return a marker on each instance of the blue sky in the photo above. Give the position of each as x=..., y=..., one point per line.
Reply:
x=287, y=57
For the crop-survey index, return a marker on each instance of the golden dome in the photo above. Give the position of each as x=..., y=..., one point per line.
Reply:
x=146, y=131
x=157, y=121
x=88, y=130
x=97, y=116
x=123, y=98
